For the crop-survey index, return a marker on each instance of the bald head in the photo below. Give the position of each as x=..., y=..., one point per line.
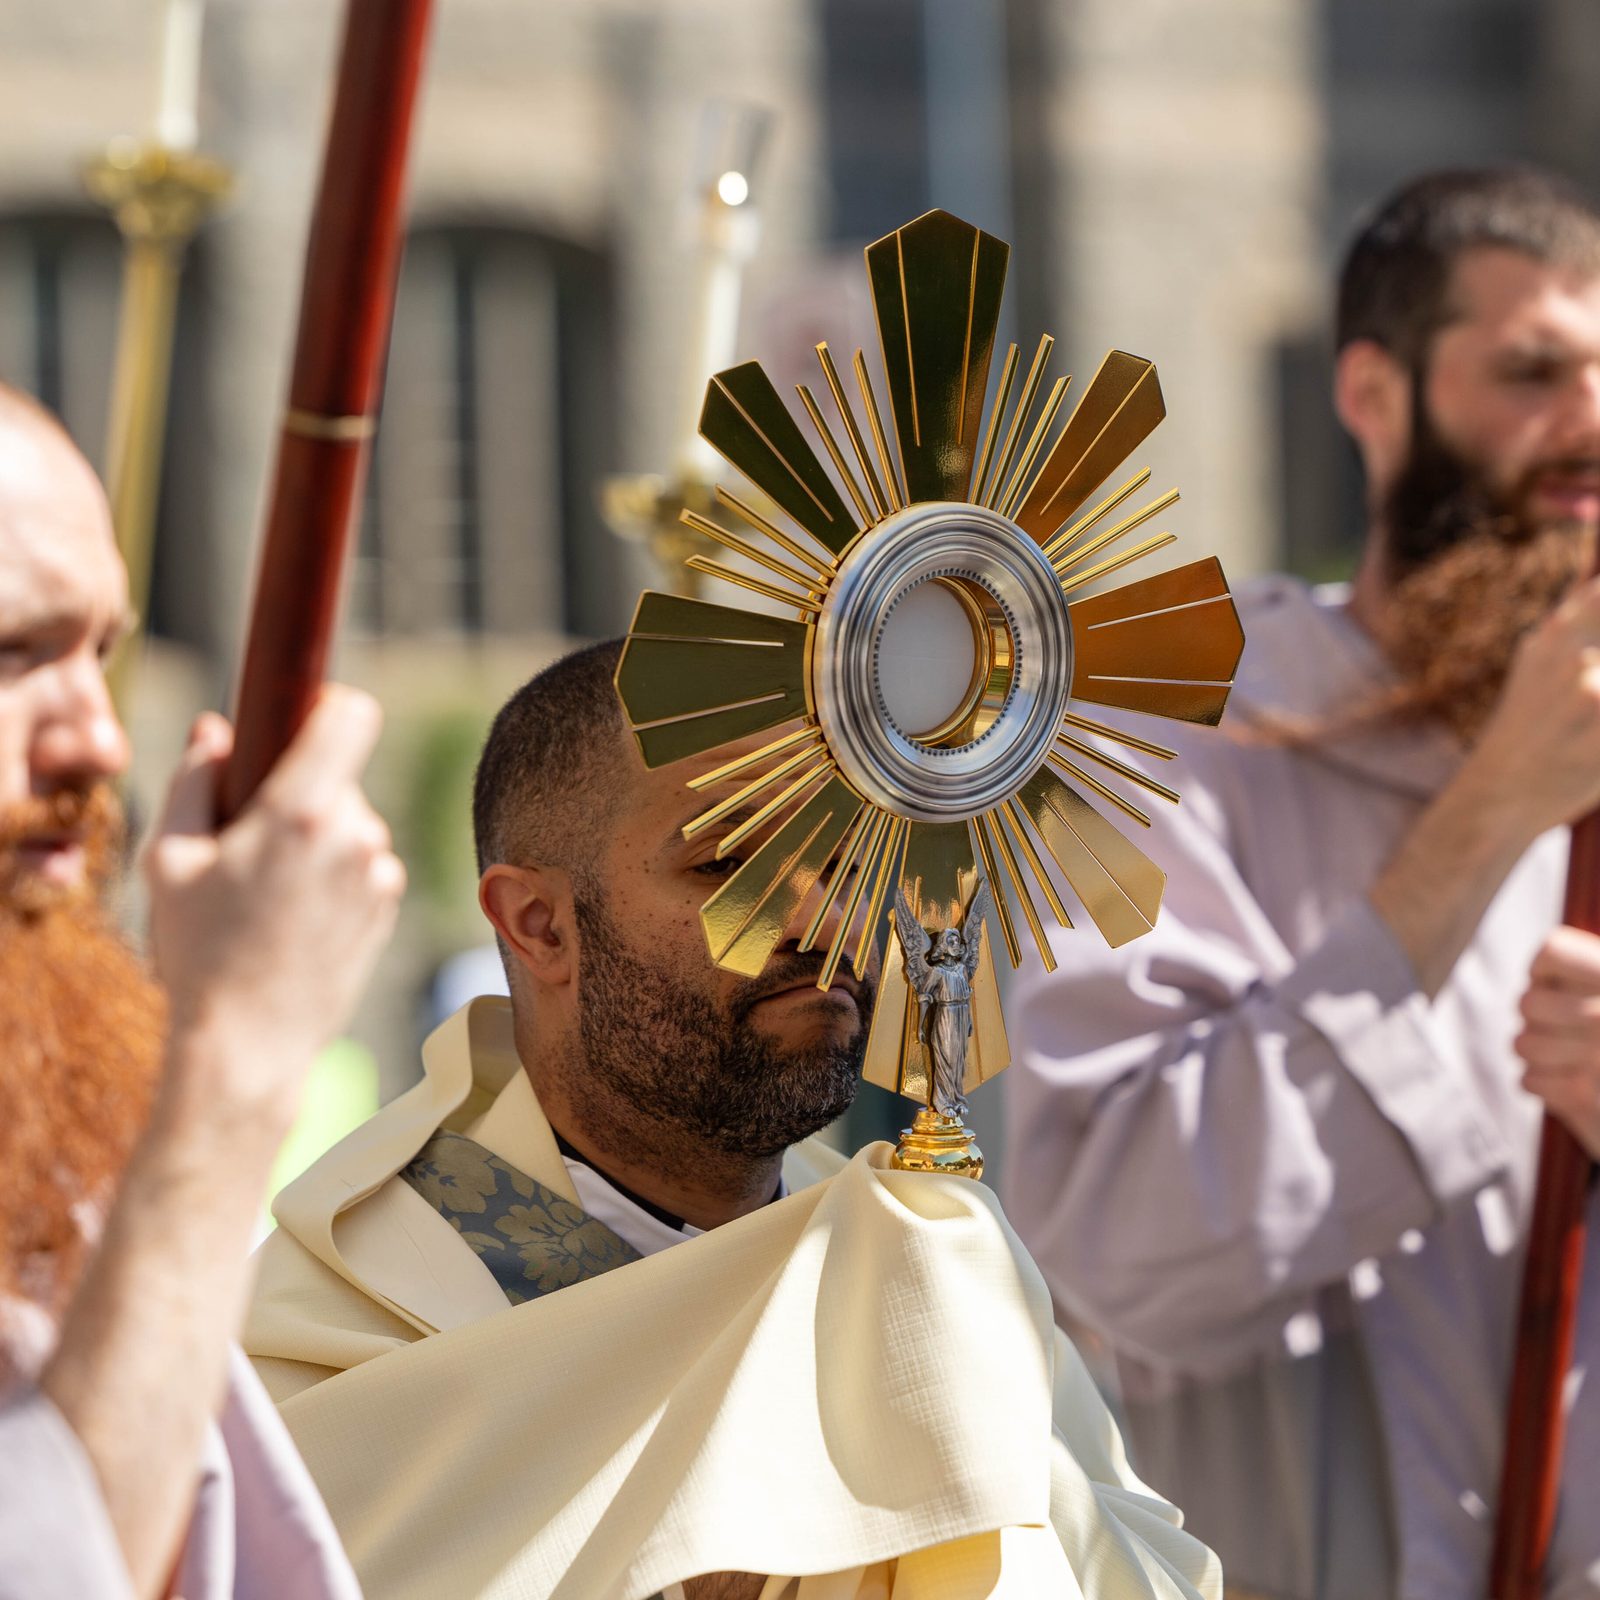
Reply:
x=53, y=513
x=38, y=460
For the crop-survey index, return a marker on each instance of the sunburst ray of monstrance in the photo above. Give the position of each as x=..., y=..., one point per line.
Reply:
x=921, y=685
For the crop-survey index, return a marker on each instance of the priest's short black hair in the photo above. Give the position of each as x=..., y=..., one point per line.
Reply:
x=1394, y=287
x=552, y=765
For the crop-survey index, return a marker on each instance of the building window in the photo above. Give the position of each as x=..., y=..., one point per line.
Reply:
x=59, y=277
x=875, y=114
x=481, y=512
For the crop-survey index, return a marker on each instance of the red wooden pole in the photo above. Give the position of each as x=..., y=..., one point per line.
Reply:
x=1530, y=1475
x=346, y=306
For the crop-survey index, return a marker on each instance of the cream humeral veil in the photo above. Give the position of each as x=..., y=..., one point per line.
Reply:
x=859, y=1387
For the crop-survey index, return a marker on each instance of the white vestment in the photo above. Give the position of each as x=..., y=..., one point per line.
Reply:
x=857, y=1388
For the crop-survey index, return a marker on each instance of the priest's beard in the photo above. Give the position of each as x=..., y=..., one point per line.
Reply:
x=81, y=1034
x=677, y=1072
x=1469, y=572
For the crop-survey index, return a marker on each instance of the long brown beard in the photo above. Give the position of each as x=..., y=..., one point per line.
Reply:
x=1470, y=571
x=82, y=1029
x=1452, y=626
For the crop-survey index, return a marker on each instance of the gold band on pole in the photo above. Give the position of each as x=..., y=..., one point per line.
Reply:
x=335, y=430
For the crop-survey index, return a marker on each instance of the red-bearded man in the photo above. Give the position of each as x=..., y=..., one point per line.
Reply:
x=133, y=1154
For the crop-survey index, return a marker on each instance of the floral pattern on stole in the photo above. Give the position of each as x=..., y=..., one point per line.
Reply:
x=532, y=1239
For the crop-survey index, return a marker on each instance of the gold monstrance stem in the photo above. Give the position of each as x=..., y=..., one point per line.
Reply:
x=158, y=198
x=938, y=1143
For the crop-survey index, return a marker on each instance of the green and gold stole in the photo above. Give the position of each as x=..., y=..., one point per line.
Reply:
x=532, y=1239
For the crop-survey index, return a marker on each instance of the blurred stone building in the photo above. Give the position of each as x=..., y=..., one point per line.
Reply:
x=1175, y=176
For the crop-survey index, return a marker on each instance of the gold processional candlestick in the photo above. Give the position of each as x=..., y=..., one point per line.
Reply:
x=665, y=513
x=158, y=197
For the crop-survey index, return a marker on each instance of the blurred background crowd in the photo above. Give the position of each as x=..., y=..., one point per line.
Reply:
x=1176, y=178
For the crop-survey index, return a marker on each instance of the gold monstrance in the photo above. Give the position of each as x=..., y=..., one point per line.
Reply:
x=923, y=687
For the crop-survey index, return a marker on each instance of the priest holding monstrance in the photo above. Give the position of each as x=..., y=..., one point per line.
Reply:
x=589, y=1311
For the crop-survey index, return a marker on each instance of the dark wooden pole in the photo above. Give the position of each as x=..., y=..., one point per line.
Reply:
x=1530, y=1476
x=346, y=306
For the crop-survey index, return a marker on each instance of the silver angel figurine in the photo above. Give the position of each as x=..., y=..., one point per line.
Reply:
x=940, y=971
